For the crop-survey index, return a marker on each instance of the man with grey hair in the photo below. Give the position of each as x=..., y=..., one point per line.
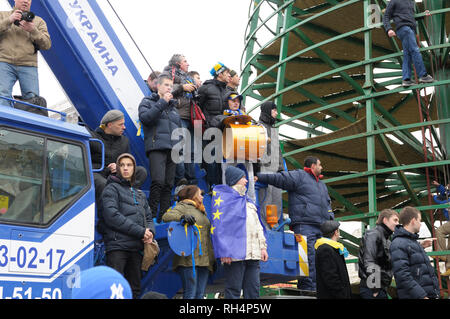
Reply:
x=183, y=91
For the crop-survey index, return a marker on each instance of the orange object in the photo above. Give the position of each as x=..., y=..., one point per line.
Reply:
x=271, y=215
x=244, y=142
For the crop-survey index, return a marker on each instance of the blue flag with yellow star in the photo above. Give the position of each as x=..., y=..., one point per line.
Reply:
x=228, y=223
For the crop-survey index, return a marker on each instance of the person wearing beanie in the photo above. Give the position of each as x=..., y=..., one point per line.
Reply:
x=233, y=175
x=128, y=222
x=374, y=259
x=211, y=99
x=238, y=236
x=272, y=160
x=101, y=282
x=331, y=270
x=309, y=207
x=110, y=132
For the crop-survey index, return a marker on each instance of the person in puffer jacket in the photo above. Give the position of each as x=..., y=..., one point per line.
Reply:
x=309, y=207
x=128, y=222
x=159, y=117
x=414, y=275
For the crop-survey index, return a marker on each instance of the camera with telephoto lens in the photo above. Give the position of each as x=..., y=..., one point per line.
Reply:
x=27, y=16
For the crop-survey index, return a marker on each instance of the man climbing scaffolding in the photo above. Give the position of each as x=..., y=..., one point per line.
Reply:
x=402, y=11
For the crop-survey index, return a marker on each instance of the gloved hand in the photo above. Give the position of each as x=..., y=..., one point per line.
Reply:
x=187, y=219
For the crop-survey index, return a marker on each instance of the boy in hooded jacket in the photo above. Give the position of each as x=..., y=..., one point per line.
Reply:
x=128, y=222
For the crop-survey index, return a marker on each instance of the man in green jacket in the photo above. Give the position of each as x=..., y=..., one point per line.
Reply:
x=19, y=42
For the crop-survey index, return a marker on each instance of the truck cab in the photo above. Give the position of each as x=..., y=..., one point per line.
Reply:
x=47, y=205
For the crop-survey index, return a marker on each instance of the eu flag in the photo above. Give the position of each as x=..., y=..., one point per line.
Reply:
x=228, y=223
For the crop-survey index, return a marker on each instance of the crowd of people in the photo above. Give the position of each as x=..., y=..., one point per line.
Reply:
x=236, y=233
x=168, y=107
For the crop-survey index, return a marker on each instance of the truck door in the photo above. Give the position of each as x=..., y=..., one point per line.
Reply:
x=47, y=214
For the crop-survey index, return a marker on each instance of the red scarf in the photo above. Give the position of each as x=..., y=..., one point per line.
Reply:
x=309, y=170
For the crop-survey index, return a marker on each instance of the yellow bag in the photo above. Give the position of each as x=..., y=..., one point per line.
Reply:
x=151, y=251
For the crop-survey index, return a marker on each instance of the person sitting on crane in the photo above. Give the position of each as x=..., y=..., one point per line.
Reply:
x=403, y=14
x=22, y=34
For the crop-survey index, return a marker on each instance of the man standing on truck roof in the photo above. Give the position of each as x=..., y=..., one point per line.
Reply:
x=22, y=35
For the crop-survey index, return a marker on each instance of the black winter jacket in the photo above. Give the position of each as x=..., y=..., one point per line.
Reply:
x=375, y=258
x=159, y=120
x=309, y=202
x=402, y=11
x=413, y=273
x=114, y=146
x=331, y=274
x=212, y=99
x=124, y=209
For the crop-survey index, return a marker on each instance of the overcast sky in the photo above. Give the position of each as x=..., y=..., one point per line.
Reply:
x=205, y=31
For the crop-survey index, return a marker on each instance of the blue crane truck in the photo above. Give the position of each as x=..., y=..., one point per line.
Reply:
x=47, y=196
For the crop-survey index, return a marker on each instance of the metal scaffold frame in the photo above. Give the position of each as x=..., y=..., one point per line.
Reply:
x=336, y=79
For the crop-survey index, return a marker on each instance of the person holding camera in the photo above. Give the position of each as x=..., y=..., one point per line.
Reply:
x=184, y=91
x=22, y=34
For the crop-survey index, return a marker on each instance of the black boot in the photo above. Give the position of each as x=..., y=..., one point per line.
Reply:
x=165, y=201
x=154, y=198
